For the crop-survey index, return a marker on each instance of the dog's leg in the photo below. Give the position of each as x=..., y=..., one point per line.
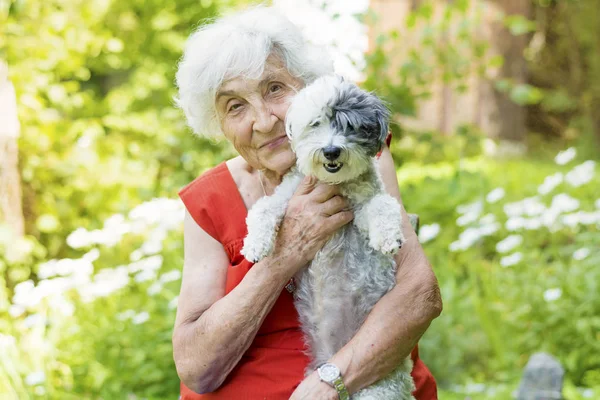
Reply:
x=264, y=218
x=380, y=220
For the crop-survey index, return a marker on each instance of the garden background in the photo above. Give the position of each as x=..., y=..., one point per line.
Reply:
x=496, y=141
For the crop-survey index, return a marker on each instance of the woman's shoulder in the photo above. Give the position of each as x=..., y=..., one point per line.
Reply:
x=212, y=199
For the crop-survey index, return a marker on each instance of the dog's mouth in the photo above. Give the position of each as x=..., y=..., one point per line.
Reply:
x=333, y=166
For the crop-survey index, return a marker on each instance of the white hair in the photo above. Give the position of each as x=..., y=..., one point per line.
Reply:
x=238, y=46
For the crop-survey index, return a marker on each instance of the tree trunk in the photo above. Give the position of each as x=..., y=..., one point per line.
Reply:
x=507, y=119
x=11, y=212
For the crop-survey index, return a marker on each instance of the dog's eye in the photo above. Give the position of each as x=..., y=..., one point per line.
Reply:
x=314, y=124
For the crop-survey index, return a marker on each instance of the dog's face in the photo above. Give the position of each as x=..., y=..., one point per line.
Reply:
x=335, y=128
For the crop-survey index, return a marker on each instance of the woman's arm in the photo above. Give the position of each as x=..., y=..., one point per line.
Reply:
x=213, y=329
x=397, y=321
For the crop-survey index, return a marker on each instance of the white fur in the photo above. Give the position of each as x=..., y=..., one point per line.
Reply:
x=355, y=268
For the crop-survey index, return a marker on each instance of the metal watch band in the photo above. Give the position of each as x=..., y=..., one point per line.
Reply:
x=338, y=385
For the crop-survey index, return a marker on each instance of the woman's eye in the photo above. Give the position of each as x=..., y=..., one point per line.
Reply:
x=315, y=124
x=234, y=107
x=275, y=88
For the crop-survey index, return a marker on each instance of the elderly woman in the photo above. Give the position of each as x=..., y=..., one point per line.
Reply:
x=237, y=334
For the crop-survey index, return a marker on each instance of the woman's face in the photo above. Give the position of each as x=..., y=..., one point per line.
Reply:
x=252, y=114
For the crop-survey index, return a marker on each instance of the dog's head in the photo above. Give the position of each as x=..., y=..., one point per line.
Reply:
x=335, y=128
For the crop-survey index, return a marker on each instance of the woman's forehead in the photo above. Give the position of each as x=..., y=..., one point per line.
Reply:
x=273, y=70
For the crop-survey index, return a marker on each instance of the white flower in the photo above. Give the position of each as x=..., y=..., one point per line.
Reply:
x=141, y=318
x=426, y=233
x=511, y=260
x=530, y=206
x=474, y=388
x=136, y=255
x=457, y=245
x=16, y=310
x=515, y=223
x=564, y=203
x=145, y=275
x=581, y=174
x=581, y=253
x=173, y=303
x=489, y=229
x=565, y=156
x=581, y=217
x=92, y=255
x=509, y=243
x=173, y=275
x=587, y=393
x=155, y=288
x=33, y=320
x=150, y=263
x=532, y=224
x=550, y=183
x=487, y=219
x=79, y=238
x=467, y=218
x=495, y=195
x=105, y=282
x=466, y=239
x=124, y=315
x=61, y=304
x=552, y=294
x=475, y=207
x=6, y=341
x=35, y=378
x=68, y=266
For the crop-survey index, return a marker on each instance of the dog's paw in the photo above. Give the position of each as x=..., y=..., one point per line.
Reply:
x=254, y=251
x=387, y=244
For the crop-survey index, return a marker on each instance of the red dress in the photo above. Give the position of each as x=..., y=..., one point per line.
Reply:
x=274, y=364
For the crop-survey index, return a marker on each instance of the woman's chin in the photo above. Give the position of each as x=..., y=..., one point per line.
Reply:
x=281, y=162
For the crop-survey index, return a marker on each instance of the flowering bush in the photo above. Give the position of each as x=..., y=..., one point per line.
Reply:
x=99, y=325
x=515, y=247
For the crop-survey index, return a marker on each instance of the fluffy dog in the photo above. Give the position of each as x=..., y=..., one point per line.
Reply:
x=336, y=129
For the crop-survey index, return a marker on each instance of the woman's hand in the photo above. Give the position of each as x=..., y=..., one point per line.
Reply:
x=313, y=214
x=312, y=388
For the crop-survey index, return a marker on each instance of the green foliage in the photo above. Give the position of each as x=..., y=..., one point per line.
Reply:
x=95, y=86
x=99, y=325
x=489, y=297
x=101, y=135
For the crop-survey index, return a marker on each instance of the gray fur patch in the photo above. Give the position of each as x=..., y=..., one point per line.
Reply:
x=361, y=116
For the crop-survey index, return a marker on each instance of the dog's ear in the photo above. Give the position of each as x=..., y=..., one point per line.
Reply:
x=382, y=118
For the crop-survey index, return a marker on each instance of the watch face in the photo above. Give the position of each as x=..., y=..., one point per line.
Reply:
x=329, y=372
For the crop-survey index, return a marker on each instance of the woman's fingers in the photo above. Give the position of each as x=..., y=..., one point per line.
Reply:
x=339, y=219
x=334, y=205
x=323, y=192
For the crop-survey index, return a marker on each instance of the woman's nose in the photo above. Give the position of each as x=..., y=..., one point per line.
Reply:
x=264, y=119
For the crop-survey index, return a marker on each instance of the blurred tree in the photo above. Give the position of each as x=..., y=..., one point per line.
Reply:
x=508, y=38
x=564, y=60
x=95, y=86
x=11, y=211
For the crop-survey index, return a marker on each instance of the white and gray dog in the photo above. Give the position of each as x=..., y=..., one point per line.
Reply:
x=336, y=129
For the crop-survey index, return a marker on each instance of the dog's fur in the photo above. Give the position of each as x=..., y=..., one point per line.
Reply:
x=355, y=268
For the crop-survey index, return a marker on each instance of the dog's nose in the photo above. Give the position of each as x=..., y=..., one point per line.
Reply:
x=331, y=152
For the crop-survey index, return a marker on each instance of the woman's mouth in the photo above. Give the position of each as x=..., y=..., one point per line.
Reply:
x=276, y=142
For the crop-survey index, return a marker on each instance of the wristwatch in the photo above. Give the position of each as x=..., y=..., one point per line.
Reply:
x=331, y=375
